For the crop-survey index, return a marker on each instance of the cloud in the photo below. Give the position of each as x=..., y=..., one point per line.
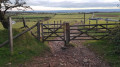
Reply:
x=76, y=1
x=72, y=4
x=79, y=5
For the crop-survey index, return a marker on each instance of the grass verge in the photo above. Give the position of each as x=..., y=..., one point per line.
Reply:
x=25, y=47
x=105, y=50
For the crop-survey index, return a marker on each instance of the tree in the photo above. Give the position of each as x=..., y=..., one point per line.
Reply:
x=6, y=5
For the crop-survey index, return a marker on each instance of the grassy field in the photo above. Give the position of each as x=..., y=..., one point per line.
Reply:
x=32, y=17
x=26, y=46
x=55, y=17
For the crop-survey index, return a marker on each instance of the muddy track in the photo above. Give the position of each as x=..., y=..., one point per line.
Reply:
x=78, y=56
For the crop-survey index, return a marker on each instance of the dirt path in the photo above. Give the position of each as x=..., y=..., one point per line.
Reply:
x=78, y=56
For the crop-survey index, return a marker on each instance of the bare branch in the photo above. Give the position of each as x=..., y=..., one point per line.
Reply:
x=7, y=4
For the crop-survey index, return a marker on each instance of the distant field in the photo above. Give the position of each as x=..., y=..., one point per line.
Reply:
x=70, y=18
x=32, y=17
x=64, y=17
x=108, y=15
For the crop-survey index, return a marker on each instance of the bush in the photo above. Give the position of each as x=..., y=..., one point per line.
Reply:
x=114, y=38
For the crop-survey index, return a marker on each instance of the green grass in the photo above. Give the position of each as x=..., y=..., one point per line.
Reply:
x=1, y=27
x=36, y=17
x=108, y=13
x=105, y=50
x=25, y=47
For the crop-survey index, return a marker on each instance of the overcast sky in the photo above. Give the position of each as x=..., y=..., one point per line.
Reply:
x=72, y=4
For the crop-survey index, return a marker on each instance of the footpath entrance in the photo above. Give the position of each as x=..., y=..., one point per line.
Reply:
x=84, y=32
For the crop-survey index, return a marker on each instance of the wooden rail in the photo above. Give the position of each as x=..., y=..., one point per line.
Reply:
x=6, y=42
x=94, y=25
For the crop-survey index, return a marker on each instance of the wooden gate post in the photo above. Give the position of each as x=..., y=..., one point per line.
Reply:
x=67, y=34
x=38, y=30
x=10, y=35
x=48, y=27
x=41, y=32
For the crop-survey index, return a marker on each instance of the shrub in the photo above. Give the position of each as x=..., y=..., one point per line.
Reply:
x=114, y=38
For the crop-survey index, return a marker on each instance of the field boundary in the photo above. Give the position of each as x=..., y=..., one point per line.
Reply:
x=46, y=32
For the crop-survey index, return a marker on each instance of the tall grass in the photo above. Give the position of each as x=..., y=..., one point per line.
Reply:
x=25, y=47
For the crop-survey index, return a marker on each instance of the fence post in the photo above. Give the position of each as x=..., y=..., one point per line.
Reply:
x=84, y=18
x=24, y=23
x=106, y=23
x=10, y=35
x=57, y=24
x=119, y=20
x=96, y=23
x=54, y=25
x=48, y=27
x=67, y=34
x=60, y=21
x=41, y=30
x=38, y=30
x=89, y=22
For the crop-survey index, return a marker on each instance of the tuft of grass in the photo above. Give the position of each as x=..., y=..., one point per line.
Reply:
x=72, y=45
x=25, y=47
x=105, y=50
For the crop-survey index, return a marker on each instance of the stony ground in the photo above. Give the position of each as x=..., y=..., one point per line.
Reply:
x=77, y=56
